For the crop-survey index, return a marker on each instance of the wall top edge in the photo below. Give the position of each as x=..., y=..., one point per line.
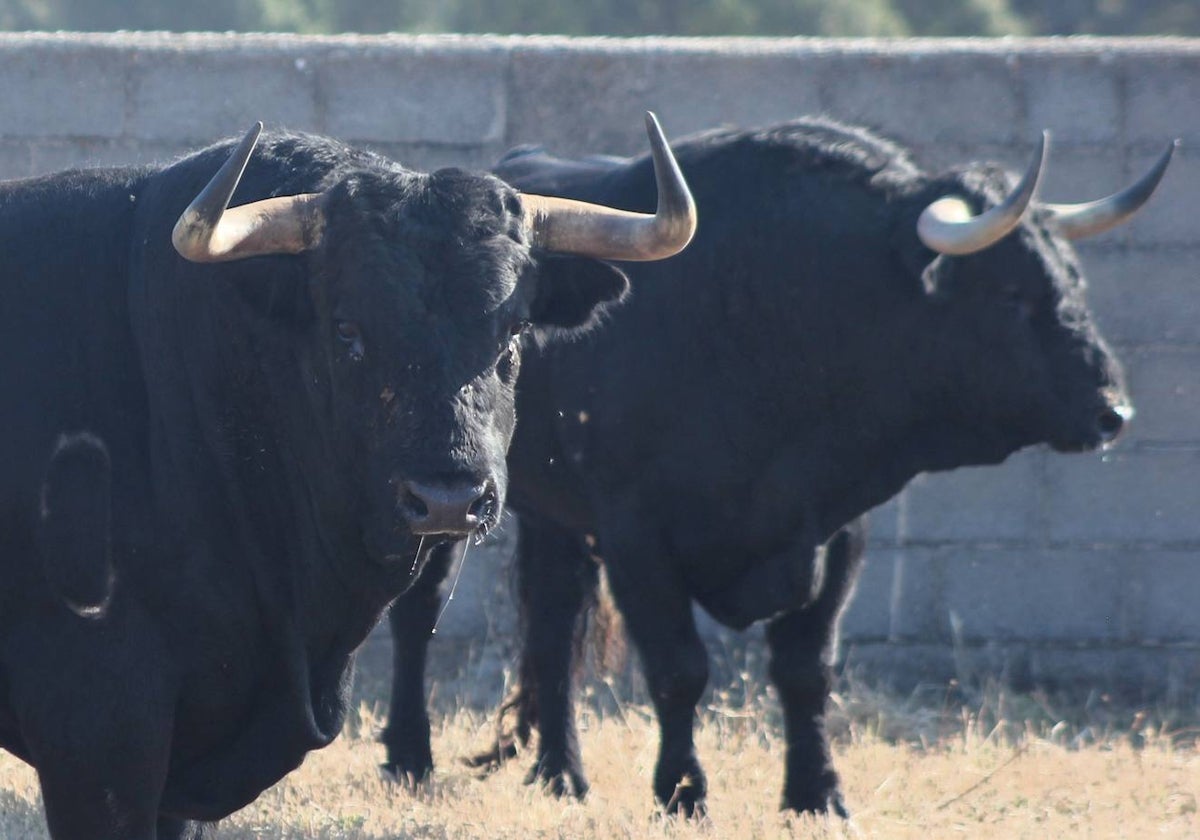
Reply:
x=800, y=45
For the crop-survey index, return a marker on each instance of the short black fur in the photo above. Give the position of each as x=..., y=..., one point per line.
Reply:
x=802, y=361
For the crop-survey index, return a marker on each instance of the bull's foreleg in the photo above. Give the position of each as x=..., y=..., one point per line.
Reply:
x=97, y=720
x=170, y=828
x=556, y=580
x=801, y=644
x=412, y=616
x=658, y=617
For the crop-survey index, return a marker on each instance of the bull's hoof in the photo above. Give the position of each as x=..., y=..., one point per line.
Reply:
x=408, y=776
x=688, y=799
x=564, y=782
x=491, y=760
x=828, y=802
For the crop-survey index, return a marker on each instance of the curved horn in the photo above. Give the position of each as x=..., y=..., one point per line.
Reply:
x=594, y=230
x=208, y=232
x=947, y=226
x=1076, y=221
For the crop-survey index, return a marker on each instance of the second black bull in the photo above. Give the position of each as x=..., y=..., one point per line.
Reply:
x=842, y=322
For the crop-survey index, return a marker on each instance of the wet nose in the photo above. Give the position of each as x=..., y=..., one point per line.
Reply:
x=452, y=509
x=1111, y=420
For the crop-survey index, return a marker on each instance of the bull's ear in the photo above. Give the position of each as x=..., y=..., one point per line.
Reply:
x=572, y=291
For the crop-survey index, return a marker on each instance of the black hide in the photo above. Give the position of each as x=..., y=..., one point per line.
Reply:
x=188, y=572
x=796, y=366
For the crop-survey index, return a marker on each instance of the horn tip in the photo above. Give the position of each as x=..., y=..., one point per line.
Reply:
x=255, y=130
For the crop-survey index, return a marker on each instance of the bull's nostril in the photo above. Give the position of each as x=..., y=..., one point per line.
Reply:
x=1110, y=422
x=445, y=508
x=414, y=506
x=483, y=507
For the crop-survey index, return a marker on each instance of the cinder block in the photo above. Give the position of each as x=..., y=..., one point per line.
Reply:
x=427, y=157
x=16, y=159
x=938, y=156
x=917, y=612
x=200, y=92
x=413, y=91
x=1145, y=296
x=54, y=155
x=546, y=106
x=1076, y=174
x=976, y=504
x=62, y=88
x=902, y=668
x=1124, y=497
x=1035, y=596
x=694, y=91
x=590, y=99
x=883, y=524
x=1075, y=96
x=1130, y=674
x=868, y=615
x=1170, y=582
x=927, y=97
x=1161, y=96
x=1165, y=385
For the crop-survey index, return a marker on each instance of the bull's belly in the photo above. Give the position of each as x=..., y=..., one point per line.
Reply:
x=742, y=567
x=10, y=739
x=10, y=736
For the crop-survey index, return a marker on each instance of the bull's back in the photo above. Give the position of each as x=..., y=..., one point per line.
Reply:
x=695, y=388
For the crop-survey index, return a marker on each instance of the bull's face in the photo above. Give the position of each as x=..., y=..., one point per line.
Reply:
x=420, y=287
x=1024, y=346
x=1014, y=330
x=430, y=285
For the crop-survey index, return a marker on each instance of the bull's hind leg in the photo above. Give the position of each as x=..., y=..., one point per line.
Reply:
x=658, y=616
x=556, y=581
x=801, y=644
x=412, y=616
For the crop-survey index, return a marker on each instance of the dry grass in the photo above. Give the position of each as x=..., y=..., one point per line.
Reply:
x=936, y=774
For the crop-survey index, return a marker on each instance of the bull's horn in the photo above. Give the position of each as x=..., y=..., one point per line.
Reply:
x=594, y=230
x=208, y=232
x=1075, y=221
x=947, y=226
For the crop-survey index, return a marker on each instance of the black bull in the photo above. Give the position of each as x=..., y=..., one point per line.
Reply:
x=215, y=468
x=842, y=322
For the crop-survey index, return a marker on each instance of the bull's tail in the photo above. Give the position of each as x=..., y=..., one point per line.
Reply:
x=75, y=522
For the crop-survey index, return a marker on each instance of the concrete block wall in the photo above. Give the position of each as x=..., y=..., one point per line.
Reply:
x=1049, y=567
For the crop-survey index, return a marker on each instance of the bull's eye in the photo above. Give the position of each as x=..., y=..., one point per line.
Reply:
x=514, y=338
x=349, y=334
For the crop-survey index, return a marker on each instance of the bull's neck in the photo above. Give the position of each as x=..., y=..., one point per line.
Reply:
x=895, y=425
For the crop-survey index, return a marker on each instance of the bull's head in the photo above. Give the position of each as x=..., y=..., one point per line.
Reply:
x=1014, y=281
x=421, y=287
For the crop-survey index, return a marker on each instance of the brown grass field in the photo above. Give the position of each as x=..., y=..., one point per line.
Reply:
x=908, y=772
